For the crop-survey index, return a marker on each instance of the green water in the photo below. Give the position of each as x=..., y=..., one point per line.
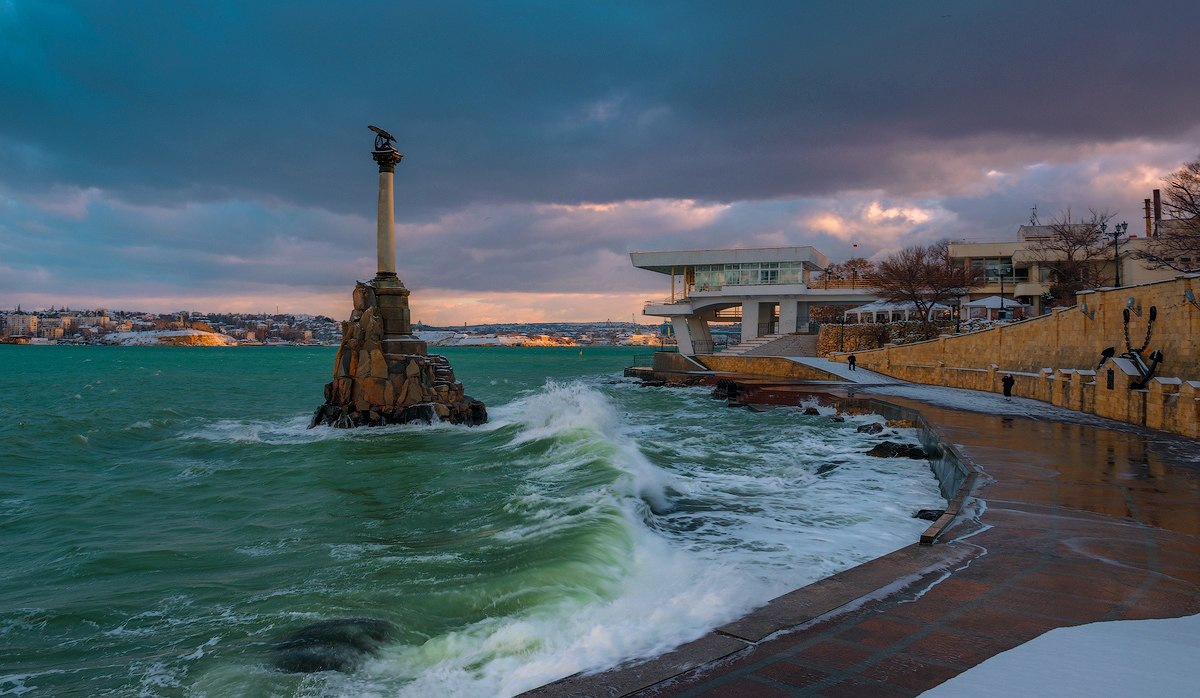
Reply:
x=167, y=518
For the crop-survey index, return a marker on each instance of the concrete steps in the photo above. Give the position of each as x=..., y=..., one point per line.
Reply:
x=787, y=345
x=750, y=344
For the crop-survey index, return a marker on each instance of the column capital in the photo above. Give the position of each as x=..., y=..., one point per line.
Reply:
x=387, y=159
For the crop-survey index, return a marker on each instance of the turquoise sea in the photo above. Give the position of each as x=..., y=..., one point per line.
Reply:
x=166, y=518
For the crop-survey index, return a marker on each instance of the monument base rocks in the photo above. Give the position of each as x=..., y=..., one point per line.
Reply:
x=384, y=378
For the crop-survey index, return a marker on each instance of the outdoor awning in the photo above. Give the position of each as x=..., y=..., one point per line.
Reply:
x=1029, y=289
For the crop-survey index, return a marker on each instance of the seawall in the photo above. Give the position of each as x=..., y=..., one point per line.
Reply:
x=1057, y=358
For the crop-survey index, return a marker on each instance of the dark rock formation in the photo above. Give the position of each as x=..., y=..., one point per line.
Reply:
x=891, y=449
x=837, y=418
x=372, y=385
x=872, y=428
x=929, y=514
x=811, y=411
x=827, y=468
x=332, y=645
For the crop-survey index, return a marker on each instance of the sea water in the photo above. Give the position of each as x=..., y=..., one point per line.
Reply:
x=166, y=518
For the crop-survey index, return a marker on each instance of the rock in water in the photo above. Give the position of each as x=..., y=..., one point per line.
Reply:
x=332, y=645
x=375, y=383
x=872, y=428
x=891, y=449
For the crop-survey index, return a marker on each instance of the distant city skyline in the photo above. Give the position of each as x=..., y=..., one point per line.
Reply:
x=216, y=157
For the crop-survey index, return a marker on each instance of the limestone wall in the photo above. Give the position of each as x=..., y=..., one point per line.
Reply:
x=1055, y=357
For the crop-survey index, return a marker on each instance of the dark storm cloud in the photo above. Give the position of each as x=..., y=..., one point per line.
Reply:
x=206, y=145
x=559, y=101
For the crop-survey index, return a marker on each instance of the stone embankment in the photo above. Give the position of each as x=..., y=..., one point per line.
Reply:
x=373, y=387
x=1091, y=357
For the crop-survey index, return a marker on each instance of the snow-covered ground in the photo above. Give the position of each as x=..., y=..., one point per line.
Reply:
x=161, y=337
x=1119, y=658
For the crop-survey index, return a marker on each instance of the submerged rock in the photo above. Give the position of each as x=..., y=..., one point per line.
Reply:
x=872, y=428
x=929, y=514
x=332, y=645
x=891, y=449
x=811, y=411
x=827, y=468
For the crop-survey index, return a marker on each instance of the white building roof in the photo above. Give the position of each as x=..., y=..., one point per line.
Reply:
x=993, y=302
x=665, y=262
x=886, y=307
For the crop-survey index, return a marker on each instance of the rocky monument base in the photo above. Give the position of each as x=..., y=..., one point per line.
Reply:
x=379, y=378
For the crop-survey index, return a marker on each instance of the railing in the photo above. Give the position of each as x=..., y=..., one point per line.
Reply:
x=766, y=328
x=702, y=346
x=840, y=283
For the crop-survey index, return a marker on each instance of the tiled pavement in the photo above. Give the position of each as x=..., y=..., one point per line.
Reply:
x=1073, y=524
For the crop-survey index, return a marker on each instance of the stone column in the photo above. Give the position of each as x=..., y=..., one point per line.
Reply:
x=389, y=289
x=385, y=223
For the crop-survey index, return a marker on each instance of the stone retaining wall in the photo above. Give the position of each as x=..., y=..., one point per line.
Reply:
x=1057, y=358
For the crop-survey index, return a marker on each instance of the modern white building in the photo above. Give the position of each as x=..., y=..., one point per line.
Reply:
x=769, y=290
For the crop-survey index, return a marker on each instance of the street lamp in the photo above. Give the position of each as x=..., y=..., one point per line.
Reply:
x=1118, y=230
x=1003, y=269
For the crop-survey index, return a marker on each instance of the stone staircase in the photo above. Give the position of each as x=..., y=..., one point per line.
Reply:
x=786, y=345
x=750, y=345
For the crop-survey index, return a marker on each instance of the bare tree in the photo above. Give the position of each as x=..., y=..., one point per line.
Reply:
x=853, y=268
x=1177, y=245
x=923, y=276
x=1075, y=251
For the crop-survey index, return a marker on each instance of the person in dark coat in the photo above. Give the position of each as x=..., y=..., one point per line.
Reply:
x=1007, y=381
x=852, y=361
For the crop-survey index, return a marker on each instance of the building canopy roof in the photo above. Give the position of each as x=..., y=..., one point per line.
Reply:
x=674, y=261
x=886, y=307
x=993, y=302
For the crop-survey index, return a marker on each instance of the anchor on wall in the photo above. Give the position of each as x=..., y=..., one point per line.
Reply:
x=1134, y=356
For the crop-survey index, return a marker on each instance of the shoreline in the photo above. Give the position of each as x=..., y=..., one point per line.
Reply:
x=747, y=652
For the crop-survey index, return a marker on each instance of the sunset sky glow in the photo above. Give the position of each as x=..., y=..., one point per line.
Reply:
x=214, y=156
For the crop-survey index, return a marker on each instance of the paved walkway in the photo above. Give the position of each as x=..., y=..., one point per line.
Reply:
x=1072, y=523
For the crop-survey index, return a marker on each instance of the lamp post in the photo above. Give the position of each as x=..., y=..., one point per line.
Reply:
x=1118, y=230
x=1003, y=270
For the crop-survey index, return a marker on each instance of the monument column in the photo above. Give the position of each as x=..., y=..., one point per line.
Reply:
x=385, y=225
x=389, y=289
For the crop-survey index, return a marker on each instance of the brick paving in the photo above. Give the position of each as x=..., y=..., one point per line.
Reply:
x=1073, y=524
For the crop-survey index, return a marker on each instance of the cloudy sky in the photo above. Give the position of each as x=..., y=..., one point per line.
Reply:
x=214, y=155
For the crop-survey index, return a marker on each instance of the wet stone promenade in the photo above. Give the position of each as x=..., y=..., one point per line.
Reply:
x=1073, y=520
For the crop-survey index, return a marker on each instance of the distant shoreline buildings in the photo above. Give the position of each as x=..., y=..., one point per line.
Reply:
x=105, y=327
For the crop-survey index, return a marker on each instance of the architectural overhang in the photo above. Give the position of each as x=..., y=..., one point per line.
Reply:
x=668, y=262
x=1030, y=289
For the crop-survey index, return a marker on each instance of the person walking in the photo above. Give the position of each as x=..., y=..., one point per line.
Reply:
x=1007, y=381
x=852, y=362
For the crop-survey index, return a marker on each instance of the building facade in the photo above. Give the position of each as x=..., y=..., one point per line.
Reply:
x=20, y=324
x=768, y=290
x=1019, y=269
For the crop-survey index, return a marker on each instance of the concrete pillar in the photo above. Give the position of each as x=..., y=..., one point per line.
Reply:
x=683, y=335
x=698, y=327
x=788, y=316
x=693, y=335
x=802, y=317
x=750, y=320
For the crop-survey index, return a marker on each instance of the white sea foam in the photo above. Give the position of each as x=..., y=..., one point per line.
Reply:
x=697, y=543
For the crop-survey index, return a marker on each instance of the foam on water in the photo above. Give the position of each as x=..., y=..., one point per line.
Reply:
x=591, y=521
x=677, y=552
